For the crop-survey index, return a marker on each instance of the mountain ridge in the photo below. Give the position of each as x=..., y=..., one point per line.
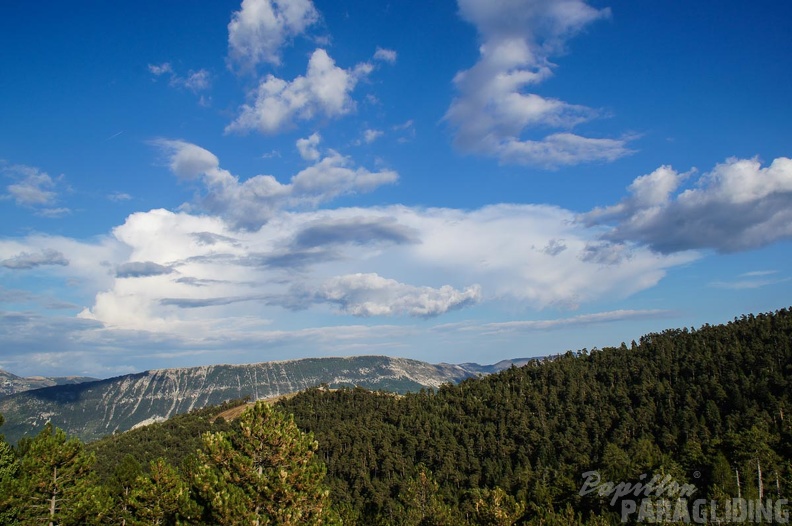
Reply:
x=90, y=410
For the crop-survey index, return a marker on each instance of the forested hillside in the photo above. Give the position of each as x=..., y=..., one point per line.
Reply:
x=707, y=408
x=699, y=405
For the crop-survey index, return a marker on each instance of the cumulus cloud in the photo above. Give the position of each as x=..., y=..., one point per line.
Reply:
x=308, y=147
x=390, y=261
x=493, y=108
x=260, y=28
x=739, y=205
x=30, y=260
x=251, y=203
x=184, y=281
x=188, y=160
x=325, y=90
x=372, y=295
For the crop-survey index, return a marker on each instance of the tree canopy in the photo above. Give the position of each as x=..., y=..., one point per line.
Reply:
x=706, y=407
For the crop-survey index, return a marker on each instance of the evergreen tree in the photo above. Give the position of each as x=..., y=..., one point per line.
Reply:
x=422, y=504
x=9, y=467
x=120, y=486
x=55, y=485
x=262, y=473
x=495, y=508
x=161, y=498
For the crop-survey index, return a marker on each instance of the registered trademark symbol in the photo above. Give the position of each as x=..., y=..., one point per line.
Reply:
x=697, y=474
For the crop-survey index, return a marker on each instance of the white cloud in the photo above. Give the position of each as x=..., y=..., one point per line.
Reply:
x=325, y=90
x=260, y=28
x=308, y=147
x=757, y=273
x=370, y=135
x=739, y=205
x=406, y=131
x=195, y=81
x=747, y=284
x=160, y=69
x=53, y=212
x=188, y=160
x=119, y=196
x=180, y=281
x=385, y=55
x=752, y=280
x=560, y=323
x=253, y=202
x=84, y=265
x=493, y=109
x=560, y=149
x=392, y=261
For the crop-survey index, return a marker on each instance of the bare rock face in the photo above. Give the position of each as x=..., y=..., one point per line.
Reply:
x=92, y=409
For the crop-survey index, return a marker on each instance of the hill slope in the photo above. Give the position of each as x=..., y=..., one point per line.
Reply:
x=94, y=409
x=707, y=407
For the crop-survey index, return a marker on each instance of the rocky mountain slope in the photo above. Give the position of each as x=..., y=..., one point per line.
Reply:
x=94, y=409
x=11, y=383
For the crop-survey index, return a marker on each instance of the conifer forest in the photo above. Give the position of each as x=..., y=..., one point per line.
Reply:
x=708, y=410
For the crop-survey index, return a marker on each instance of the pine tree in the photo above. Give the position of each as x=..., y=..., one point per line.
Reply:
x=55, y=485
x=263, y=473
x=422, y=504
x=120, y=485
x=495, y=508
x=162, y=497
x=9, y=468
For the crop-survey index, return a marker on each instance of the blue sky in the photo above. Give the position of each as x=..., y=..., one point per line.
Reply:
x=470, y=180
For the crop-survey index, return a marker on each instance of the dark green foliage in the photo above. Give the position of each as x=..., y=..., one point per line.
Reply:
x=707, y=407
x=121, y=486
x=263, y=472
x=174, y=439
x=9, y=469
x=495, y=508
x=696, y=405
x=54, y=483
x=161, y=497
